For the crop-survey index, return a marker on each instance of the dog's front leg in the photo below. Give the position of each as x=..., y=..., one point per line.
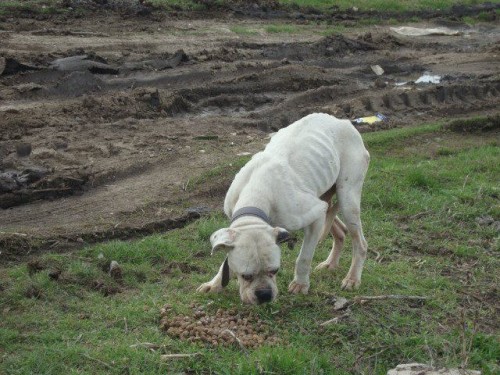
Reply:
x=312, y=234
x=217, y=283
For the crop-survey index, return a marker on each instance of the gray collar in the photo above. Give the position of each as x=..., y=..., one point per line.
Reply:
x=250, y=211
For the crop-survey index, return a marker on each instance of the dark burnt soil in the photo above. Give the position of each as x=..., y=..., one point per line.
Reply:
x=106, y=122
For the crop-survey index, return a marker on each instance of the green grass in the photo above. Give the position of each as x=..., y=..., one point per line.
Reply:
x=242, y=30
x=381, y=5
x=282, y=28
x=419, y=215
x=35, y=6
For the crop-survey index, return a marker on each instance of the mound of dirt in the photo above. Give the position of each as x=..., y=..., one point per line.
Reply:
x=474, y=125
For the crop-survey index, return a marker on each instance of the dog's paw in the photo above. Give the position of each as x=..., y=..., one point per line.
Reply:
x=297, y=288
x=350, y=284
x=325, y=265
x=209, y=287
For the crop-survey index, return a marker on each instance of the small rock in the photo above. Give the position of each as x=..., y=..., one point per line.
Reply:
x=423, y=369
x=377, y=69
x=115, y=271
x=23, y=149
x=54, y=274
x=485, y=220
x=380, y=83
x=340, y=303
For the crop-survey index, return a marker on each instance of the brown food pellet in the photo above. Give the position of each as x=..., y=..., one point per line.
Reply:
x=202, y=327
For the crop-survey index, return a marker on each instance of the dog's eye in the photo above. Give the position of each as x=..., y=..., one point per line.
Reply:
x=274, y=272
x=247, y=277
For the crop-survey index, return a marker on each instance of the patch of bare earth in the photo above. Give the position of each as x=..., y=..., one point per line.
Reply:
x=106, y=121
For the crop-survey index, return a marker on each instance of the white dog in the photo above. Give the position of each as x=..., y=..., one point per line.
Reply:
x=290, y=185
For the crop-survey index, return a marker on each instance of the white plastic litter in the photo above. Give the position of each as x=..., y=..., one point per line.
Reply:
x=377, y=69
x=416, y=31
x=428, y=78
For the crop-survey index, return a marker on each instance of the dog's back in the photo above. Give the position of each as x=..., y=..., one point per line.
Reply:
x=307, y=155
x=315, y=147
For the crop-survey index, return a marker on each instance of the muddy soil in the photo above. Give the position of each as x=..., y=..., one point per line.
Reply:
x=106, y=120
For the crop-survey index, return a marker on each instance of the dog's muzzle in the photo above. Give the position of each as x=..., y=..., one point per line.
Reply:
x=264, y=295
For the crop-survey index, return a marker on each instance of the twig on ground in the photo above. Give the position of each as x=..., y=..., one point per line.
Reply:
x=147, y=345
x=420, y=214
x=166, y=357
x=360, y=358
x=14, y=234
x=335, y=320
x=236, y=338
x=465, y=181
x=361, y=299
x=107, y=365
x=378, y=257
x=429, y=350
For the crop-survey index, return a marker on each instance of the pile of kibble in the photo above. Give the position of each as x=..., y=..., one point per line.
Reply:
x=224, y=328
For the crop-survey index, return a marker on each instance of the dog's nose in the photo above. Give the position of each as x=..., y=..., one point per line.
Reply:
x=264, y=295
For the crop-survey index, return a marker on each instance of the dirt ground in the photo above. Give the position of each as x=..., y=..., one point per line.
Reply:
x=106, y=120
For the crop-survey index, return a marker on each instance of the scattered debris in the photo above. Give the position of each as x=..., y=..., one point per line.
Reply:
x=423, y=369
x=428, y=78
x=147, y=345
x=377, y=69
x=488, y=221
x=167, y=357
x=14, y=179
x=335, y=320
x=380, y=83
x=28, y=87
x=92, y=63
x=108, y=366
x=340, y=303
x=159, y=64
x=370, y=119
x=363, y=299
x=9, y=66
x=115, y=271
x=416, y=31
x=68, y=33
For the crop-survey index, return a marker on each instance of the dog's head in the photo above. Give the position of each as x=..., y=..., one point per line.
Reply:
x=254, y=255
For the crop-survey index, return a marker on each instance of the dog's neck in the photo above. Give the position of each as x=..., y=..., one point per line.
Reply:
x=250, y=211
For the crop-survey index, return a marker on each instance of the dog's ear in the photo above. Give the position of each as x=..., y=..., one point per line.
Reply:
x=282, y=235
x=223, y=239
x=225, y=273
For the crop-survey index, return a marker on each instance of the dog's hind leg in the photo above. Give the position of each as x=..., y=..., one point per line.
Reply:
x=339, y=231
x=331, y=212
x=349, y=196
